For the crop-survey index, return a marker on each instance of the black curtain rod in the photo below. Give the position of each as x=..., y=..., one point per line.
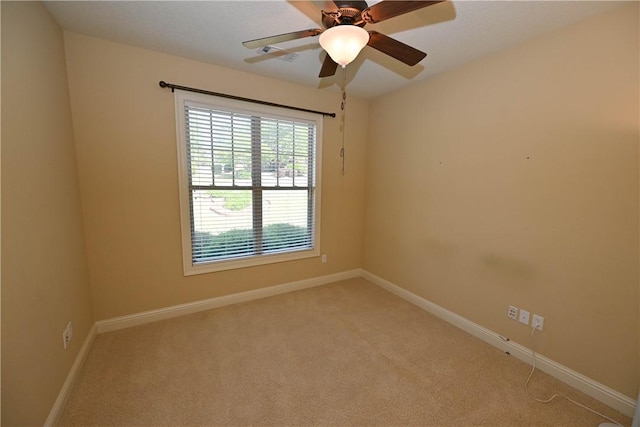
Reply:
x=164, y=84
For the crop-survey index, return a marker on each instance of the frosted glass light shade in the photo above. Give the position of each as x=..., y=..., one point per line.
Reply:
x=344, y=42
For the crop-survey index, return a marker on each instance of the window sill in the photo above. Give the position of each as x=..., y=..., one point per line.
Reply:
x=214, y=266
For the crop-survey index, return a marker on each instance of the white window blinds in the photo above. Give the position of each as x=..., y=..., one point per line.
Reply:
x=250, y=179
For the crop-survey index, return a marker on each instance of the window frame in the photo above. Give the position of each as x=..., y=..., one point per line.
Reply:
x=235, y=106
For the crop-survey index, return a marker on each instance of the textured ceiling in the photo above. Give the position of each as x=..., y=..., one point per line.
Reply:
x=452, y=33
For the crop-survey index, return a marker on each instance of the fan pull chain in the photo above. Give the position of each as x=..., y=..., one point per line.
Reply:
x=343, y=107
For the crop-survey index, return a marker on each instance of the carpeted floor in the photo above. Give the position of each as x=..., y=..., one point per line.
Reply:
x=344, y=354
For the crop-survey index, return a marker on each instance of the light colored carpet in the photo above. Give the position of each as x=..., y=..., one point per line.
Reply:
x=348, y=353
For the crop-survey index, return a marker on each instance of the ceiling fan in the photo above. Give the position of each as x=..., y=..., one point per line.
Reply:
x=344, y=35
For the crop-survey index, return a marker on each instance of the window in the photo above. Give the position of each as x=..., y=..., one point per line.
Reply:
x=249, y=177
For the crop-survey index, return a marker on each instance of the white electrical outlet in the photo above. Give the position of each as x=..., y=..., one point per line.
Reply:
x=538, y=322
x=324, y=259
x=512, y=312
x=524, y=317
x=67, y=335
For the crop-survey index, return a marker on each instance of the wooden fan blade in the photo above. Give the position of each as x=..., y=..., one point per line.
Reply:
x=391, y=8
x=253, y=44
x=329, y=67
x=394, y=48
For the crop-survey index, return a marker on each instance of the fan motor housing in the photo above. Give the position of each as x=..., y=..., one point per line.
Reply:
x=348, y=13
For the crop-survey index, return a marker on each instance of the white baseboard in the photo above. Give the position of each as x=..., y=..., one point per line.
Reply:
x=590, y=387
x=208, y=304
x=63, y=396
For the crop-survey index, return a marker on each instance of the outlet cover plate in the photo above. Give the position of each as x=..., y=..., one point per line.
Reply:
x=538, y=322
x=524, y=317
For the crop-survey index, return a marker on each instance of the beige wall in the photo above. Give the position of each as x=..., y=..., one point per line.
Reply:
x=125, y=137
x=45, y=281
x=514, y=180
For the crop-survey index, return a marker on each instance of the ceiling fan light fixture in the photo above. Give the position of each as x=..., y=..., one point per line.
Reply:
x=343, y=43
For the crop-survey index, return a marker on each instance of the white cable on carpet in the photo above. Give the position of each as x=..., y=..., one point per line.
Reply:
x=533, y=353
